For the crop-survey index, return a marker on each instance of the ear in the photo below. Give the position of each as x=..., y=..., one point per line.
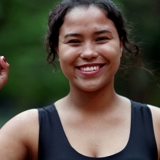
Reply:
x=121, y=46
x=57, y=51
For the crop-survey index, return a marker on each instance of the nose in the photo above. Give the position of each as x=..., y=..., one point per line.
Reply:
x=88, y=51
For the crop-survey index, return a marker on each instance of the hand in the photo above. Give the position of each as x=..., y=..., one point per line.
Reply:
x=4, y=70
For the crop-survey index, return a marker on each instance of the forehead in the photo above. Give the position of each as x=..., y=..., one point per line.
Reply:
x=90, y=12
x=86, y=18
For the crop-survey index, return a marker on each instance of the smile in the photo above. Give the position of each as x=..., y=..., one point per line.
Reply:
x=89, y=68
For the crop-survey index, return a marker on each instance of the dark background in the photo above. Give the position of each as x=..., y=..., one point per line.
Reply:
x=34, y=83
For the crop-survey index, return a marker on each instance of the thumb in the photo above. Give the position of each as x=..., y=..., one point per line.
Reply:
x=4, y=70
x=3, y=64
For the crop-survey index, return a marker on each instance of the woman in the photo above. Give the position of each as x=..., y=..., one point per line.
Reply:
x=92, y=121
x=4, y=69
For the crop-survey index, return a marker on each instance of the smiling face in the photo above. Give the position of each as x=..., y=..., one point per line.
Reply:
x=89, y=49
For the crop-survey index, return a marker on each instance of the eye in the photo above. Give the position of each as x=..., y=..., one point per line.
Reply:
x=102, y=39
x=74, y=41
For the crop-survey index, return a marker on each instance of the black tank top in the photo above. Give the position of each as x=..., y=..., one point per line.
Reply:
x=53, y=143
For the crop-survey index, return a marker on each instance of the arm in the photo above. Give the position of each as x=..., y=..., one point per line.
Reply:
x=4, y=70
x=156, y=124
x=19, y=137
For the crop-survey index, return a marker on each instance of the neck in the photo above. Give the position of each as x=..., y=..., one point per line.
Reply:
x=100, y=100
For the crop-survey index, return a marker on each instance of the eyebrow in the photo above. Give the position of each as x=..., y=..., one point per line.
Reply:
x=78, y=35
x=103, y=31
x=72, y=35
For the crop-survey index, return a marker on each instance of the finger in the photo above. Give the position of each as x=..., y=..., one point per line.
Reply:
x=3, y=63
x=4, y=70
x=4, y=67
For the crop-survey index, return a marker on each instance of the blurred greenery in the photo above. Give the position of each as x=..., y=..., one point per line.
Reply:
x=34, y=83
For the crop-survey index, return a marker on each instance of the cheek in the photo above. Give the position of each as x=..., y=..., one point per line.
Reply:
x=68, y=56
x=64, y=68
x=66, y=51
x=66, y=61
x=111, y=53
x=63, y=63
x=63, y=55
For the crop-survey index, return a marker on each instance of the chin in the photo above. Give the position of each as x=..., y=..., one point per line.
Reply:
x=91, y=89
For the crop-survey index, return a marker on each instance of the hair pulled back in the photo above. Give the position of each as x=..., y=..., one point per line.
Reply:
x=57, y=15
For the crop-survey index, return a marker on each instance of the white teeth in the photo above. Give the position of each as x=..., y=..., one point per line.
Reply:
x=88, y=69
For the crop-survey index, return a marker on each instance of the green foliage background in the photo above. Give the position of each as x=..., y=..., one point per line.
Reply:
x=34, y=83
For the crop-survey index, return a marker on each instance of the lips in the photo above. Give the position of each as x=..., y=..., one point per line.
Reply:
x=90, y=68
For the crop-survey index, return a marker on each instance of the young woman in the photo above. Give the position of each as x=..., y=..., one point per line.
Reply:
x=92, y=122
x=4, y=70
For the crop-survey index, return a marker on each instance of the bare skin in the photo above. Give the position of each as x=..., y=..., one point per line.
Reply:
x=4, y=70
x=92, y=110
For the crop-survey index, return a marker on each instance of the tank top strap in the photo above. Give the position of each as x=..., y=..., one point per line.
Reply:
x=142, y=132
x=52, y=140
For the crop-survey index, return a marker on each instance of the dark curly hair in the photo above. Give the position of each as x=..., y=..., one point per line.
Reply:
x=56, y=19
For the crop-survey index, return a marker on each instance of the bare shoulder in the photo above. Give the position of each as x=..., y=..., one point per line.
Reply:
x=155, y=113
x=19, y=136
x=156, y=123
